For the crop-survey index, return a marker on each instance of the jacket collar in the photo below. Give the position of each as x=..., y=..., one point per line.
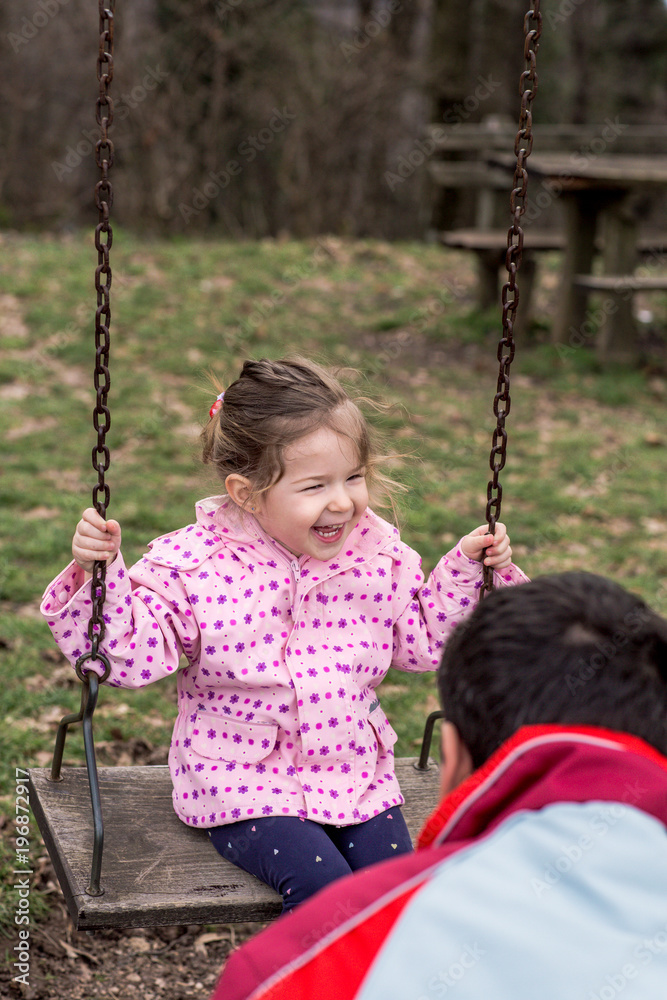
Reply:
x=371, y=535
x=540, y=765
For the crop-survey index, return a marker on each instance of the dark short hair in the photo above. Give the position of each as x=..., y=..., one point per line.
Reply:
x=572, y=648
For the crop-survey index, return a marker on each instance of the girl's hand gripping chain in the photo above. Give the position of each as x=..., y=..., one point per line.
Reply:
x=95, y=539
x=494, y=550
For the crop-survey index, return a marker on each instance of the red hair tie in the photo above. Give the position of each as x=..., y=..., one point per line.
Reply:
x=216, y=406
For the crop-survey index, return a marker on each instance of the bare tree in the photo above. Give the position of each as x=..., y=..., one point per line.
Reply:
x=262, y=116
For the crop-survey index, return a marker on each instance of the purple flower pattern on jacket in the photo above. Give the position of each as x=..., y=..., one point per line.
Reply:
x=278, y=712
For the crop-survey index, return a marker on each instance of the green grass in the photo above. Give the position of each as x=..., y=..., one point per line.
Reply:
x=583, y=486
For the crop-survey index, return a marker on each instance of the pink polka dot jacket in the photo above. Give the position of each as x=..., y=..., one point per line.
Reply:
x=279, y=658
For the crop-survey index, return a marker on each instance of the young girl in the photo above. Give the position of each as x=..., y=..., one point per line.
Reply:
x=290, y=599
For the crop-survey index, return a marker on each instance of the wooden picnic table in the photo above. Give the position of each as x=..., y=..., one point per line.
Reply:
x=595, y=193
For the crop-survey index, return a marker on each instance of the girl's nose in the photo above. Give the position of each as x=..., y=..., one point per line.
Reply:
x=340, y=501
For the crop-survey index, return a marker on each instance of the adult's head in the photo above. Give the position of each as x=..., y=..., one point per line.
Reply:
x=572, y=648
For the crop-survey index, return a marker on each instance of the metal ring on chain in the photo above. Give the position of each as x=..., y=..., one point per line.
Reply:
x=81, y=673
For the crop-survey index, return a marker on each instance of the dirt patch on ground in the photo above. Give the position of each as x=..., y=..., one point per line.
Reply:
x=157, y=963
x=12, y=323
x=162, y=963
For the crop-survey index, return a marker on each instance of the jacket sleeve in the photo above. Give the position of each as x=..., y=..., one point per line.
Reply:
x=429, y=610
x=148, y=618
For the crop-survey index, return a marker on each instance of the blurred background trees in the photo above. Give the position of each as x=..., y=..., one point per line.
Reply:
x=261, y=117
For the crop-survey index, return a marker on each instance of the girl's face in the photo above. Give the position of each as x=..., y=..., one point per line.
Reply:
x=317, y=502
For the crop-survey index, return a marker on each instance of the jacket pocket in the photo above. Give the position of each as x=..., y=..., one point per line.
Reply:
x=384, y=732
x=219, y=738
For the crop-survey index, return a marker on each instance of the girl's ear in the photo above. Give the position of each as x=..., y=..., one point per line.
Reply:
x=238, y=488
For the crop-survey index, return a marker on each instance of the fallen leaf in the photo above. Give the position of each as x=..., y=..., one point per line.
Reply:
x=71, y=952
x=204, y=939
x=40, y=513
x=652, y=526
x=139, y=944
x=654, y=439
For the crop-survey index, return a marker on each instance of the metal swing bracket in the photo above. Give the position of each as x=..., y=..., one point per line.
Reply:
x=425, y=752
x=90, y=682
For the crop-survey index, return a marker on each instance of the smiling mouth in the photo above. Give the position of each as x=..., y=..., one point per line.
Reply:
x=329, y=532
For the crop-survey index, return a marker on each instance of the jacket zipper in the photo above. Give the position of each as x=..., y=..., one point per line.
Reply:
x=296, y=605
x=293, y=565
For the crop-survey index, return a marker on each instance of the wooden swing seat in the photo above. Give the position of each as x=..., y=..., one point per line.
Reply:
x=155, y=869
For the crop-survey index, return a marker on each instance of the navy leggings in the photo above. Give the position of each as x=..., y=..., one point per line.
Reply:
x=296, y=857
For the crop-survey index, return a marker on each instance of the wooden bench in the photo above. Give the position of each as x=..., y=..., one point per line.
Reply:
x=652, y=246
x=490, y=248
x=610, y=322
x=620, y=283
x=155, y=869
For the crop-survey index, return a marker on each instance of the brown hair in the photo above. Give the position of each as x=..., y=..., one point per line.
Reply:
x=274, y=403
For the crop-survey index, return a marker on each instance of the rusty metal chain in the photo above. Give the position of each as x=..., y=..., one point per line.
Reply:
x=523, y=145
x=103, y=238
